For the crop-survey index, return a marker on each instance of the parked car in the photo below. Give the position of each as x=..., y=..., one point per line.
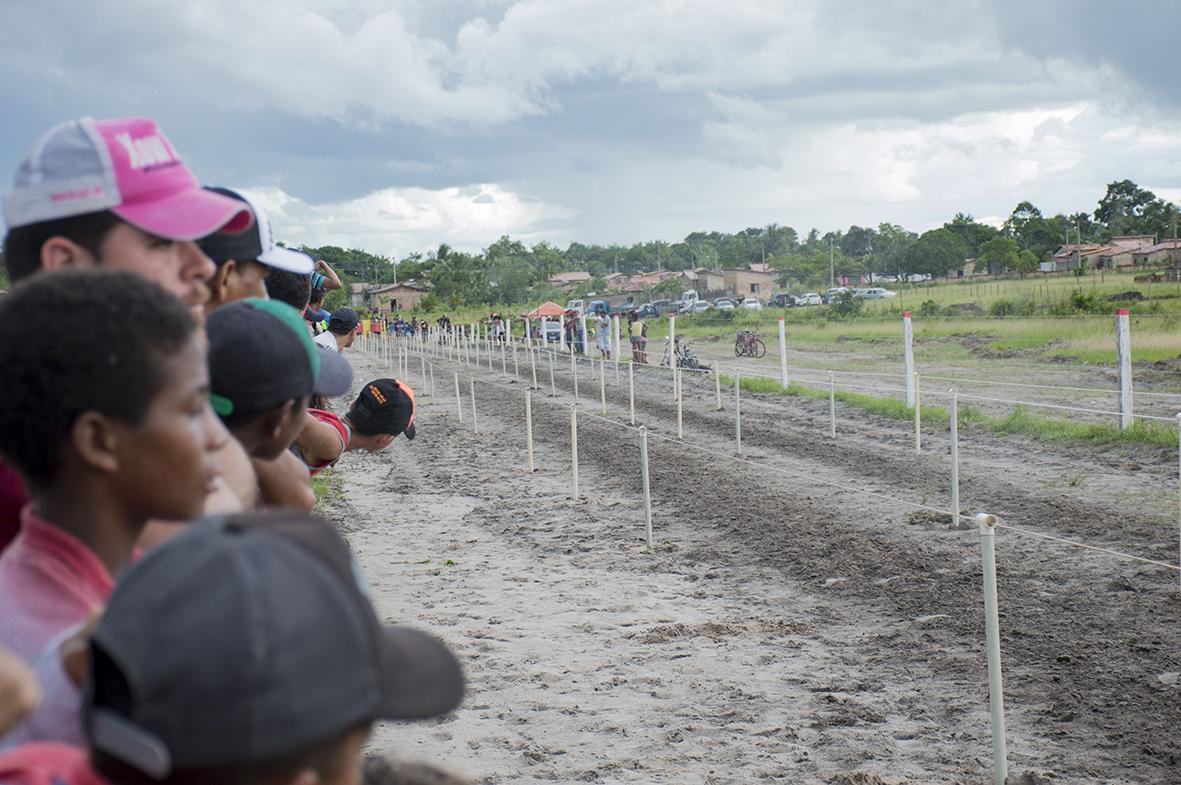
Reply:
x=699, y=306
x=624, y=308
x=664, y=306
x=752, y=304
x=576, y=305
x=724, y=304
x=811, y=298
x=553, y=331
x=647, y=309
x=832, y=294
x=878, y=293
x=782, y=300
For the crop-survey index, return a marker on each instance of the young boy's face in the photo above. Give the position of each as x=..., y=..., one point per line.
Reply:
x=177, y=266
x=167, y=463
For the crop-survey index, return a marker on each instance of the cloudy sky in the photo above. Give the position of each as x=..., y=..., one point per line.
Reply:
x=396, y=125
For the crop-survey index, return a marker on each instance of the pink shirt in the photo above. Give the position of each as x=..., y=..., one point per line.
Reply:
x=47, y=764
x=49, y=581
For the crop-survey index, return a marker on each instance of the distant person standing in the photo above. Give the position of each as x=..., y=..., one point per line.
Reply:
x=603, y=333
x=637, y=332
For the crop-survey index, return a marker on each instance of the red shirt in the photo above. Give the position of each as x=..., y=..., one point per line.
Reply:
x=328, y=417
x=12, y=500
x=49, y=581
x=47, y=764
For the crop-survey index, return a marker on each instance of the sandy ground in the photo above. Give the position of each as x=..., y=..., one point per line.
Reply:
x=782, y=629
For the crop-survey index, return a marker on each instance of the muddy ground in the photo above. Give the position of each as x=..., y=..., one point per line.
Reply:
x=783, y=629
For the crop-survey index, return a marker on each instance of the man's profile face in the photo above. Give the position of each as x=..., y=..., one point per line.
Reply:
x=177, y=266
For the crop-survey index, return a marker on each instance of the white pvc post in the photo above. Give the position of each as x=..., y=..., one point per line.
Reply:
x=644, y=483
x=738, y=410
x=718, y=385
x=574, y=449
x=544, y=332
x=615, y=332
x=533, y=365
x=574, y=373
x=475, y=428
x=631, y=392
x=422, y=358
x=432, y=367
x=953, y=414
x=908, y=358
x=992, y=634
x=672, y=350
x=782, y=353
x=528, y=332
x=918, y=416
x=529, y=427
x=516, y=364
x=1123, y=358
x=832, y=406
x=553, y=388
x=458, y=398
x=602, y=382
x=680, y=405
x=585, y=337
x=562, y=336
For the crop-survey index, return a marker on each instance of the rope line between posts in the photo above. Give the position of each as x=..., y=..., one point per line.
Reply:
x=989, y=383
x=969, y=396
x=873, y=494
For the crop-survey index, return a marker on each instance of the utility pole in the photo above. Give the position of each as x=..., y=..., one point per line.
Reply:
x=832, y=270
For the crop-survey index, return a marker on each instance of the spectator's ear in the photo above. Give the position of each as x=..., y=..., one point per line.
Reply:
x=95, y=439
x=59, y=252
x=219, y=283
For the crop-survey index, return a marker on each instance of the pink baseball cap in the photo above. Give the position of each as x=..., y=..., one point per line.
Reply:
x=125, y=165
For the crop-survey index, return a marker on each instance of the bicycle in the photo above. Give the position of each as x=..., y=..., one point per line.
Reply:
x=686, y=357
x=747, y=344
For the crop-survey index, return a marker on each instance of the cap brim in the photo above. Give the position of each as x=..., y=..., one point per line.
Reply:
x=409, y=431
x=420, y=676
x=188, y=215
x=286, y=259
x=336, y=375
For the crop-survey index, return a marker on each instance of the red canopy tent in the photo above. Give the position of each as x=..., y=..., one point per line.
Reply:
x=548, y=308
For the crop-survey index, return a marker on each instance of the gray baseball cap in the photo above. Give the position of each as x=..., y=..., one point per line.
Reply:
x=249, y=638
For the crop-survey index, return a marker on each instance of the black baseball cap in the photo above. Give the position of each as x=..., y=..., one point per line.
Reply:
x=257, y=242
x=246, y=639
x=342, y=320
x=261, y=356
x=384, y=406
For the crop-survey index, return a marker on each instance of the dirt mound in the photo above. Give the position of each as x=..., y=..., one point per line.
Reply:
x=928, y=518
x=863, y=778
x=715, y=630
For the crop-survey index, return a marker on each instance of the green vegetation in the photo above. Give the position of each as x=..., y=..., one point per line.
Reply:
x=1019, y=422
x=328, y=487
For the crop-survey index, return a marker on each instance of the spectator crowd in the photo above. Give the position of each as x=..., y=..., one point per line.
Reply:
x=170, y=610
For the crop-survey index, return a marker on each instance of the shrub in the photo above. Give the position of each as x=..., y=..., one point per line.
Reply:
x=1002, y=308
x=930, y=308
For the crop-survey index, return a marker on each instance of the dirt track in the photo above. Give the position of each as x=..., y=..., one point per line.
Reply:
x=783, y=629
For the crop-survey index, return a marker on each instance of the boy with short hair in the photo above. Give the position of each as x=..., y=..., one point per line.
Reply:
x=123, y=432
x=291, y=288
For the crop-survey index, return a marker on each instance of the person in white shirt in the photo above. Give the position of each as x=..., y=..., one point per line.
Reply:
x=342, y=330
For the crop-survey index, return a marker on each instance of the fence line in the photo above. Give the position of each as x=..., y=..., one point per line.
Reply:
x=953, y=516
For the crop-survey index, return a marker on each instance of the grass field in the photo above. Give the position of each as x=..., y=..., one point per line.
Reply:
x=956, y=325
x=1020, y=421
